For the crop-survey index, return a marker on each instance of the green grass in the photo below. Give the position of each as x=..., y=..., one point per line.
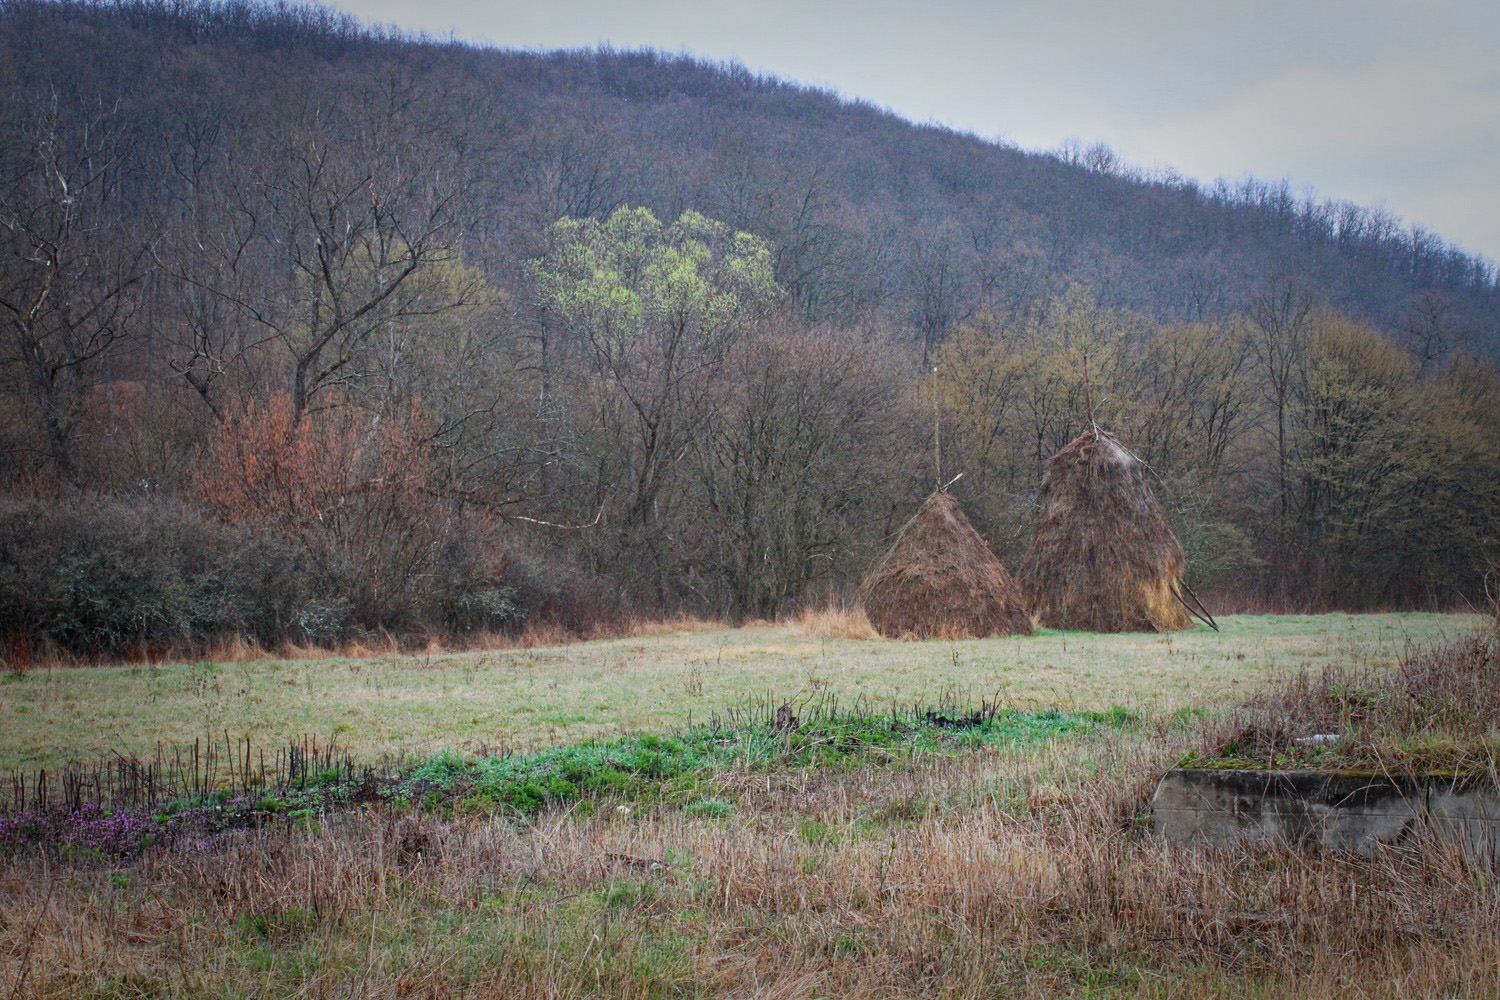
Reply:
x=663, y=772
x=532, y=698
x=674, y=769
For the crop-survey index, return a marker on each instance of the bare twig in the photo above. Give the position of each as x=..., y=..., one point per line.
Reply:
x=553, y=524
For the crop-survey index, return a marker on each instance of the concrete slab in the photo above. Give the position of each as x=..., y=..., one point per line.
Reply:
x=1354, y=812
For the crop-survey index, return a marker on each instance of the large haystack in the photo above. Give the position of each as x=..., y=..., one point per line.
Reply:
x=940, y=580
x=1104, y=558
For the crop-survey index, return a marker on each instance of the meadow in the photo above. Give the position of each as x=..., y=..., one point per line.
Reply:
x=529, y=697
x=849, y=856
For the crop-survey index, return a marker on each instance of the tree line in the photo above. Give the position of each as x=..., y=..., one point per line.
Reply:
x=458, y=339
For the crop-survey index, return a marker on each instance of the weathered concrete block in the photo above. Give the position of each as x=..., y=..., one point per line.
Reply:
x=1468, y=812
x=1342, y=811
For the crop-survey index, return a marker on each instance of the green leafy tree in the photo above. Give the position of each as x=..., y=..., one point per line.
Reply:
x=635, y=320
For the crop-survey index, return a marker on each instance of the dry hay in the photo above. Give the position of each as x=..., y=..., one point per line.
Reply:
x=1104, y=558
x=833, y=621
x=940, y=580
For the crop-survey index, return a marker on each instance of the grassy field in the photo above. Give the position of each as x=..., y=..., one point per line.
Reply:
x=781, y=865
x=524, y=698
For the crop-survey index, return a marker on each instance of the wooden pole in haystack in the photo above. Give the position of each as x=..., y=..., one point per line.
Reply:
x=937, y=434
x=1088, y=396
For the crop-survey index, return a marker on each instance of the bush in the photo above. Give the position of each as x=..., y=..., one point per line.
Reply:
x=490, y=609
x=549, y=586
x=103, y=576
x=130, y=575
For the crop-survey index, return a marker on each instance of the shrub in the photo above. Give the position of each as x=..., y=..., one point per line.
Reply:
x=484, y=608
x=111, y=576
x=102, y=576
x=548, y=585
x=107, y=576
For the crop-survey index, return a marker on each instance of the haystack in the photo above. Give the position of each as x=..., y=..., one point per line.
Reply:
x=1104, y=558
x=940, y=580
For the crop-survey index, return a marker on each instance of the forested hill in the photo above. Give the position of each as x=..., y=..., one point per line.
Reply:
x=867, y=212
x=310, y=332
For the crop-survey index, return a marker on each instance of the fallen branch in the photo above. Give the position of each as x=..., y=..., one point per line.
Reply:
x=553, y=524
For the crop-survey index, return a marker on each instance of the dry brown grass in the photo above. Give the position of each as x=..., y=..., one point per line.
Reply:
x=1436, y=711
x=835, y=621
x=534, y=634
x=22, y=655
x=684, y=624
x=995, y=874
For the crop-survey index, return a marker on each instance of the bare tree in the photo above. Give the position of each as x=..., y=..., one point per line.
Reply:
x=1282, y=326
x=795, y=450
x=314, y=229
x=71, y=265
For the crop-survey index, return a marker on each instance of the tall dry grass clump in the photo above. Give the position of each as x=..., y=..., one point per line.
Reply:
x=1436, y=711
x=1104, y=558
x=683, y=623
x=835, y=621
x=940, y=580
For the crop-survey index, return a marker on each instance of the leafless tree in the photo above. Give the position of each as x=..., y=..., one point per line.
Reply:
x=71, y=262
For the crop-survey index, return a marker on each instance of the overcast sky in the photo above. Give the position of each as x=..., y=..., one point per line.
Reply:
x=1383, y=102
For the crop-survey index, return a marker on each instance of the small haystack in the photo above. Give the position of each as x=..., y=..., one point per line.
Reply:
x=1104, y=558
x=940, y=580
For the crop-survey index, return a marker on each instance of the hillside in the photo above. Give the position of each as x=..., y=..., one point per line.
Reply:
x=382, y=332
x=867, y=211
